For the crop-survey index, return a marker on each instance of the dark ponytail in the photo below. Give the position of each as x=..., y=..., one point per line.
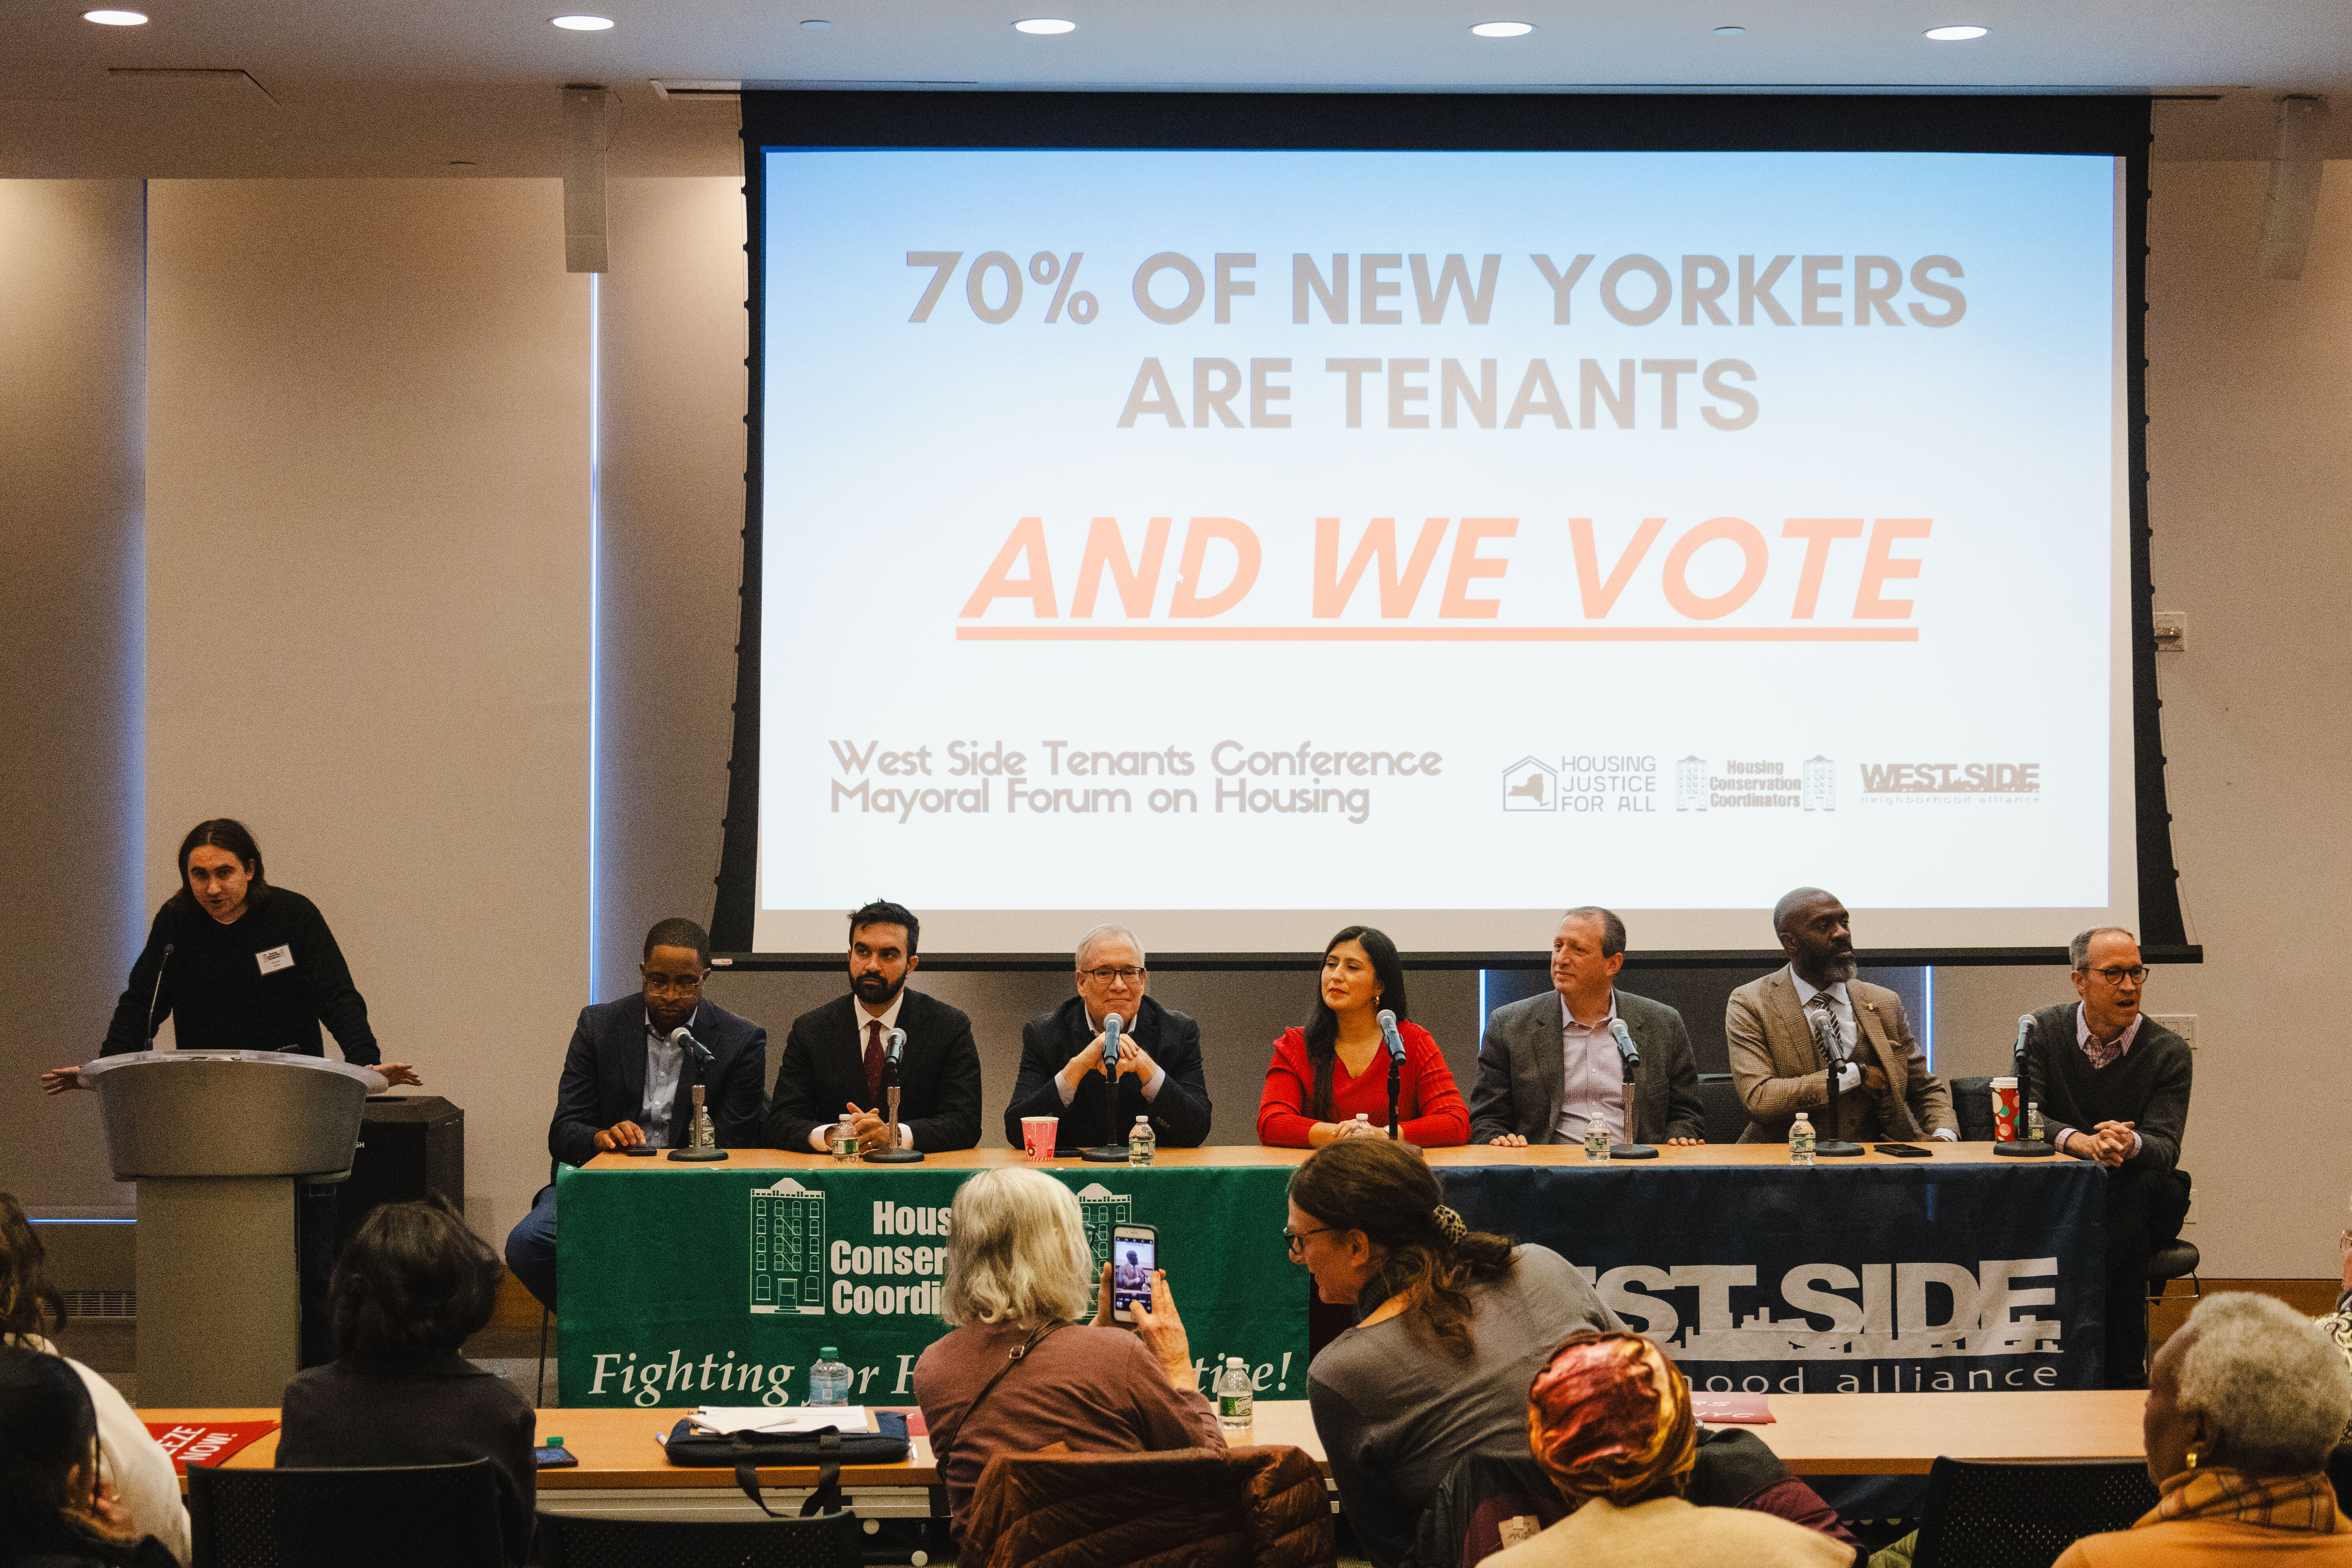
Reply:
x=1427, y=1256
x=1322, y=1030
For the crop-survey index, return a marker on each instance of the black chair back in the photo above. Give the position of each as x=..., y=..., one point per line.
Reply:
x=2024, y=1516
x=1972, y=1109
x=408, y=1516
x=1726, y=1119
x=826, y=1540
x=2339, y=1476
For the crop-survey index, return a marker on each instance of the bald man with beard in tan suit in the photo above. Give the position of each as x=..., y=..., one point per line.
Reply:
x=1777, y=1065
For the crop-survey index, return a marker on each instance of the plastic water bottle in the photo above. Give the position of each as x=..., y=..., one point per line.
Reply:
x=1596, y=1141
x=1800, y=1139
x=2035, y=1130
x=1236, y=1401
x=1142, y=1143
x=828, y=1379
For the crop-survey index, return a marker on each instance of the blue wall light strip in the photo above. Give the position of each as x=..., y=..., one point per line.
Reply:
x=1928, y=1005
x=595, y=617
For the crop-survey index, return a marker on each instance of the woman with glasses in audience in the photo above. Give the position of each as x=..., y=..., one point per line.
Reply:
x=57, y=1510
x=412, y=1287
x=1334, y=1070
x=134, y=1475
x=2243, y=1405
x=1452, y=1326
x=1019, y=1371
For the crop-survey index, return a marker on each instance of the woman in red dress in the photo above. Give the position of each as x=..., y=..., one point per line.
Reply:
x=1337, y=1068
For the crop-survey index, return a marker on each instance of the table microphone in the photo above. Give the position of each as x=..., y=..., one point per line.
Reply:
x=685, y=1041
x=693, y=1152
x=2024, y=1148
x=893, y=1044
x=1396, y=1063
x=1832, y=1048
x=1109, y=1153
x=1631, y=1056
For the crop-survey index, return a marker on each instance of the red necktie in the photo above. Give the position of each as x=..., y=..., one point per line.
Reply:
x=873, y=1063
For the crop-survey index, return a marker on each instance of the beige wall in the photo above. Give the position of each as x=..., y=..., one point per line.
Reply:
x=72, y=285
x=367, y=627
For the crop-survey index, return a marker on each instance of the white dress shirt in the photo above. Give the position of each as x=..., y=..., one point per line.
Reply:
x=821, y=1135
x=664, y=1064
x=1591, y=1076
x=1840, y=1012
x=1150, y=1085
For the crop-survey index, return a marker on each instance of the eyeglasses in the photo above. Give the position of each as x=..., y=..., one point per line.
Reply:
x=674, y=986
x=1291, y=1239
x=1110, y=976
x=2117, y=974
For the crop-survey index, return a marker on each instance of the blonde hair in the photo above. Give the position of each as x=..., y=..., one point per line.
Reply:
x=1017, y=1252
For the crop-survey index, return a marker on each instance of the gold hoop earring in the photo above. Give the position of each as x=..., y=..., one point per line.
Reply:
x=2192, y=1459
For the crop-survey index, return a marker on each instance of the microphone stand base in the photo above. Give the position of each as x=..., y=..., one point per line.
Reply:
x=1631, y=1151
x=1828, y=1148
x=1104, y=1155
x=697, y=1156
x=892, y=1156
x=2033, y=1151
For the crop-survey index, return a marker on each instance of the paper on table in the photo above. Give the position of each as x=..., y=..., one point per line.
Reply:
x=1732, y=1409
x=729, y=1419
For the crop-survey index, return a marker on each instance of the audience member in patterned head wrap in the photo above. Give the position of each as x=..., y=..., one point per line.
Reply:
x=1610, y=1420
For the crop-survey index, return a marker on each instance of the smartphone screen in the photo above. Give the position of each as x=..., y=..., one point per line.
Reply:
x=1134, y=1254
x=554, y=1459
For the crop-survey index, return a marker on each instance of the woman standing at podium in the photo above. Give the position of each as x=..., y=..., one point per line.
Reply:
x=241, y=965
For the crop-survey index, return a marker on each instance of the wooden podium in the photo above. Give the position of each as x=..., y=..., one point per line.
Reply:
x=217, y=1141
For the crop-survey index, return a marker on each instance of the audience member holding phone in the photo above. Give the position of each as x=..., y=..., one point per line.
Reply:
x=56, y=1510
x=1018, y=1373
x=412, y=1287
x=1337, y=1066
x=1456, y=1324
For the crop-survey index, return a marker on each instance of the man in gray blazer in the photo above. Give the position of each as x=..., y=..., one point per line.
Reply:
x=1549, y=1065
x=1777, y=1065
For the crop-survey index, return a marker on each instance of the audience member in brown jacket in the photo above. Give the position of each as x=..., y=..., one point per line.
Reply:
x=1017, y=1281
x=414, y=1285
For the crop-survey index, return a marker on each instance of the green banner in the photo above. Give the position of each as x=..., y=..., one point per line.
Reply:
x=718, y=1286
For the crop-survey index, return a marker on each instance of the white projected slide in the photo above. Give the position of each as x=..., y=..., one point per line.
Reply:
x=1250, y=541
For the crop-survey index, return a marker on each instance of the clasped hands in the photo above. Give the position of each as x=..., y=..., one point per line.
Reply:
x=1513, y=1140
x=1133, y=1058
x=2110, y=1143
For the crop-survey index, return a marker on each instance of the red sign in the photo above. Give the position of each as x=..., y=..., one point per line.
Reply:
x=205, y=1442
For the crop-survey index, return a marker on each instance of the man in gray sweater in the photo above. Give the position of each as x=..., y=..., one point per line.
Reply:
x=2113, y=1086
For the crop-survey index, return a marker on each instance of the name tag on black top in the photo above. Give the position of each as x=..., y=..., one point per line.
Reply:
x=274, y=959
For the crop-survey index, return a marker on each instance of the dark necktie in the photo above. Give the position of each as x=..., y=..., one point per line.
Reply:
x=873, y=1063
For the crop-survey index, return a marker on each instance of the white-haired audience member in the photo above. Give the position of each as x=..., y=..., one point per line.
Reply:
x=1019, y=1372
x=2243, y=1405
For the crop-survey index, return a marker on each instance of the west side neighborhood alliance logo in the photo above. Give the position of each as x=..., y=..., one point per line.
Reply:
x=795, y=1269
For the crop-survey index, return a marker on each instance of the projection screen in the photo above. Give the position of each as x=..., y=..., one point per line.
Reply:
x=1240, y=535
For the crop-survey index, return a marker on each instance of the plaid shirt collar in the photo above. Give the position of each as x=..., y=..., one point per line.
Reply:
x=2098, y=1053
x=2304, y=1503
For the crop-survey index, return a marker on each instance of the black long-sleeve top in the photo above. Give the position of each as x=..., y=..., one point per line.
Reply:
x=221, y=997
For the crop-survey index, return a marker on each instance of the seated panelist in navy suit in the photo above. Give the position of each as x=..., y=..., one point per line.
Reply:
x=628, y=1084
x=833, y=1058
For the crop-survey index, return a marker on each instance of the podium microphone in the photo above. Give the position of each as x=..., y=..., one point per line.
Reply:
x=892, y=1044
x=1832, y=1048
x=1109, y=1153
x=1395, y=1043
x=156, y=996
x=1631, y=1056
x=2024, y=1148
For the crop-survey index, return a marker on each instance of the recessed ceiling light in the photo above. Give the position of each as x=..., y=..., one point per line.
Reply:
x=1044, y=24
x=1955, y=35
x=116, y=18
x=581, y=24
x=1729, y=31
x=813, y=23
x=1504, y=30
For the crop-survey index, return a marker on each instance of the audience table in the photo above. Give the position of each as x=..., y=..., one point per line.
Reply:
x=1959, y=1271
x=1814, y=1434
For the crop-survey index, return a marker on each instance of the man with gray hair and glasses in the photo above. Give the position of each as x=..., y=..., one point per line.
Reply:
x=2113, y=1086
x=1158, y=1060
